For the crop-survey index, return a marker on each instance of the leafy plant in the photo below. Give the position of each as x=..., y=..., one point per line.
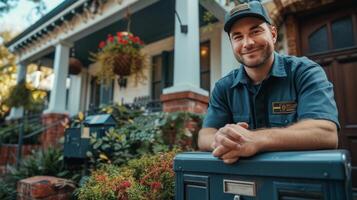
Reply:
x=42, y=162
x=145, y=134
x=7, y=192
x=149, y=178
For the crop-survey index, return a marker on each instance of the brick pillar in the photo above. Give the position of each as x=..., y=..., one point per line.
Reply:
x=184, y=101
x=44, y=187
x=291, y=35
x=50, y=137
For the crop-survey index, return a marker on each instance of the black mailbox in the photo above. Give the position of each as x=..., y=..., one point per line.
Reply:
x=301, y=175
x=76, y=143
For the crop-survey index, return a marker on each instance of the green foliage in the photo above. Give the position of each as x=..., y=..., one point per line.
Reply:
x=7, y=192
x=42, y=162
x=20, y=96
x=147, y=178
x=145, y=134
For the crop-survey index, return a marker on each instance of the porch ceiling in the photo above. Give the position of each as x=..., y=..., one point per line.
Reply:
x=151, y=24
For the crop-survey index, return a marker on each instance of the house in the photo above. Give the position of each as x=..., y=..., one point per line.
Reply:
x=185, y=64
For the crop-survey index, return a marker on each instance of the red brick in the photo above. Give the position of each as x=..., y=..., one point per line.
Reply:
x=52, y=135
x=43, y=187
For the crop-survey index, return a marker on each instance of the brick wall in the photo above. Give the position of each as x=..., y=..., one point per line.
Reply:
x=184, y=101
x=52, y=135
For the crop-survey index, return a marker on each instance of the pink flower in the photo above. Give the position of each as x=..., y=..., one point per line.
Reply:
x=125, y=184
x=102, y=44
x=110, y=38
x=155, y=185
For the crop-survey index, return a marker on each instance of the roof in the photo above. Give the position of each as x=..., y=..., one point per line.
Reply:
x=61, y=7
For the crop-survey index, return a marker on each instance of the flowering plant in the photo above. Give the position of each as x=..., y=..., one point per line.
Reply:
x=120, y=55
x=148, y=178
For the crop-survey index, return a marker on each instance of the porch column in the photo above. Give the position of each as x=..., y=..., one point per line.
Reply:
x=55, y=116
x=186, y=94
x=17, y=113
x=74, y=95
x=228, y=61
x=57, y=102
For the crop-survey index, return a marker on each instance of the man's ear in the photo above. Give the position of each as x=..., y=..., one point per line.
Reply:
x=274, y=33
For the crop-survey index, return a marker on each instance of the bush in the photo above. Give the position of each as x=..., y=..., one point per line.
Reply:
x=147, y=178
x=7, y=191
x=146, y=134
x=47, y=162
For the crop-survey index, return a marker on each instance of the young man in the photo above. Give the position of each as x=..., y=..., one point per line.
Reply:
x=272, y=102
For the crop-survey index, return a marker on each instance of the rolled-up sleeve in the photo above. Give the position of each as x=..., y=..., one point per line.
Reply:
x=316, y=96
x=218, y=113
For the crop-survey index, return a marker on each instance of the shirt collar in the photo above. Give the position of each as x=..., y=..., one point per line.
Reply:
x=277, y=70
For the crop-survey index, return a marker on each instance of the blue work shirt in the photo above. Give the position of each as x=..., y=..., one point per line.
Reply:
x=295, y=89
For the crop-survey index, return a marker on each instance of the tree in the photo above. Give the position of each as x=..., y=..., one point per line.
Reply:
x=7, y=71
x=7, y=5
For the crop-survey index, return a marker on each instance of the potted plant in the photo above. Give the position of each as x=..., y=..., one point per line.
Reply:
x=120, y=55
x=20, y=96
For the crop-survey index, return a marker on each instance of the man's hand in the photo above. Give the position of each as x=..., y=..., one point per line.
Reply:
x=234, y=141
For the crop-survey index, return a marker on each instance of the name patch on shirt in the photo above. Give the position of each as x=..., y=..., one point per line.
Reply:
x=284, y=107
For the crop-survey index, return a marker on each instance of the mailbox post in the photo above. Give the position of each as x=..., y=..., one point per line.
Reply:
x=313, y=175
x=77, y=140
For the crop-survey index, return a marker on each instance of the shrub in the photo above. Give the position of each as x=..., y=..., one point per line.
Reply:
x=147, y=178
x=145, y=134
x=7, y=191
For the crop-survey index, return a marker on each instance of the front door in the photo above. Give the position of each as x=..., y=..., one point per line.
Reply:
x=330, y=39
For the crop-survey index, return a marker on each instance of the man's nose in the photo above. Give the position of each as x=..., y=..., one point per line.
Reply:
x=248, y=42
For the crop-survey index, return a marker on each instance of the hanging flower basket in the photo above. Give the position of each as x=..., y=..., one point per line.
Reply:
x=75, y=66
x=120, y=55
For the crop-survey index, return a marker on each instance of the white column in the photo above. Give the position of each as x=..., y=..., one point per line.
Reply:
x=186, y=57
x=74, y=94
x=228, y=62
x=57, y=102
x=17, y=113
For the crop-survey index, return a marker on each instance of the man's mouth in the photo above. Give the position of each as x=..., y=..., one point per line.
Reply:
x=249, y=52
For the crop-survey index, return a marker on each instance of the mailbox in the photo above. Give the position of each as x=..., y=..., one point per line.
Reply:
x=77, y=140
x=308, y=175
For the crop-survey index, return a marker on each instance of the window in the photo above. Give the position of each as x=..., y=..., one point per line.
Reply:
x=318, y=40
x=162, y=73
x=342, y=33
x=205, y=68
x=156, y=77
x=333, y=34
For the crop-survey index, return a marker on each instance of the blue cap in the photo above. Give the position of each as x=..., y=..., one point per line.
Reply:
x=251, y=9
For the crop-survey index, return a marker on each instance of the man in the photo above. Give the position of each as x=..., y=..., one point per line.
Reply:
x=272, y=102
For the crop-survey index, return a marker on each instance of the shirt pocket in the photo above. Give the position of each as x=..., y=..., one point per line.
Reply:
x=282, y=120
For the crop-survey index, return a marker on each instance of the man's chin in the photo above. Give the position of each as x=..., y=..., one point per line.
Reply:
x=252, y=63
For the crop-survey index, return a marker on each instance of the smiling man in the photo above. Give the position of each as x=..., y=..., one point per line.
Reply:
x=272, y=102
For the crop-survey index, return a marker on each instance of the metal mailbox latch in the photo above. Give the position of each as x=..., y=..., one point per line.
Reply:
x=239, y=188
x=236, y=197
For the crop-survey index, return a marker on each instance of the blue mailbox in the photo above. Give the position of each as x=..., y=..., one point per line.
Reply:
x=304, y=175
x=77, y=140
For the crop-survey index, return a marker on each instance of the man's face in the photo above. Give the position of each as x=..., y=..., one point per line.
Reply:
x=252, y=41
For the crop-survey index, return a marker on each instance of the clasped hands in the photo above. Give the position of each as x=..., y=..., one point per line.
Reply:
x=234, y=141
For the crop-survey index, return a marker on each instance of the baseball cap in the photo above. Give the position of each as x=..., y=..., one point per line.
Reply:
x=250, y=9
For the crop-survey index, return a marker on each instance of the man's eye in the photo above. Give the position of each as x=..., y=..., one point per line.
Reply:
x=255, y=32
x=237, y=37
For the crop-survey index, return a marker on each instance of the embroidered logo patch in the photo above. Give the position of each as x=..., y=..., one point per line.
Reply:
x=284, y=107
x=240, y=7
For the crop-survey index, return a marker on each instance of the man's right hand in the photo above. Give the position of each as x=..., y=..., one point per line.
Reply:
x=225, y=144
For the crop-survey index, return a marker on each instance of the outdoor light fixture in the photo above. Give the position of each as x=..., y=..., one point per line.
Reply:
x=183, y=27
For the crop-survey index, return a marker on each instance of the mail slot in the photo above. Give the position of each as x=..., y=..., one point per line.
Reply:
x=312, y=175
